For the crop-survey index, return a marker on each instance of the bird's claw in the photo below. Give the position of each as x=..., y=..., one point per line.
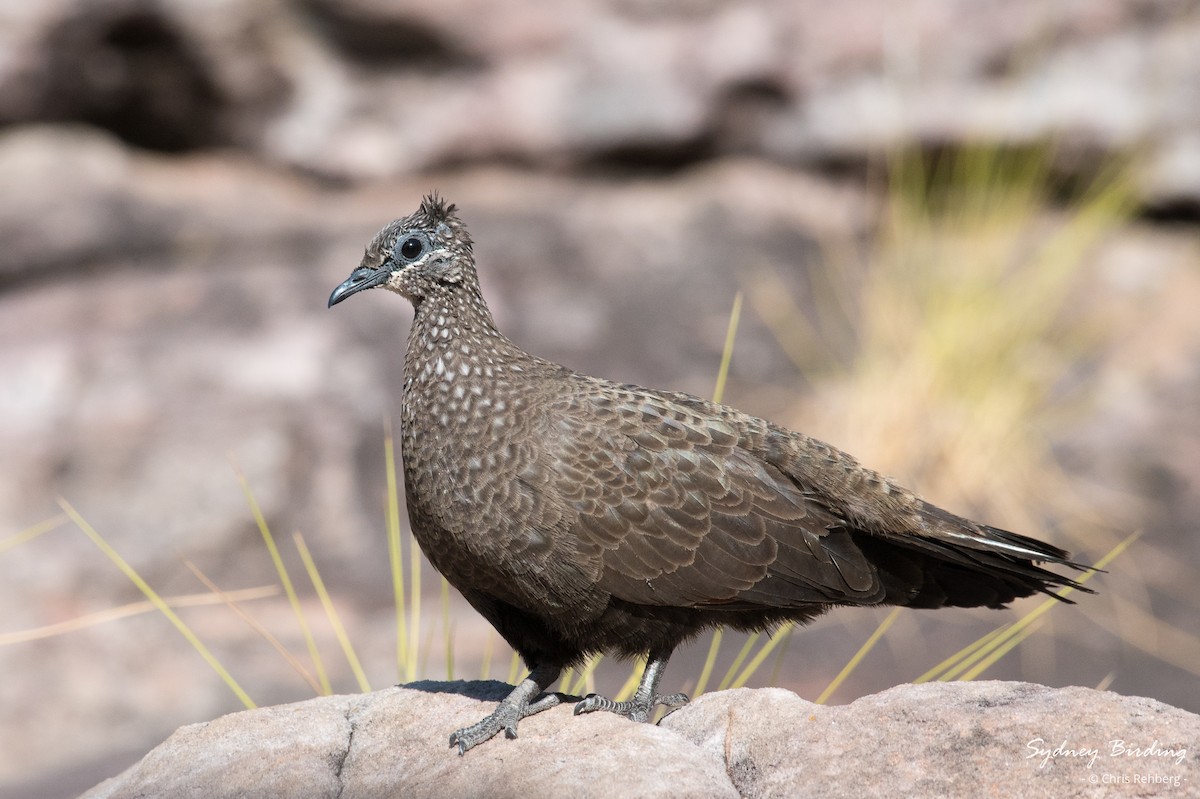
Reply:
x=504, y=717
x=636, y=709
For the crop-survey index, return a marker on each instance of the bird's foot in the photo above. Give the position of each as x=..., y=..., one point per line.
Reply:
x=504, y=717
x=640, y=708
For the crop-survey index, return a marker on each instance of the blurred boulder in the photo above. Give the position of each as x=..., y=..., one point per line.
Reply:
x=368, y=89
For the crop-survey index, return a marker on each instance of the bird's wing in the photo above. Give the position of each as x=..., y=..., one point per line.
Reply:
x=675, y=509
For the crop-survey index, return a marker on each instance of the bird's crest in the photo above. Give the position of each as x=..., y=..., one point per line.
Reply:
x=436, y=210
x=441, y=217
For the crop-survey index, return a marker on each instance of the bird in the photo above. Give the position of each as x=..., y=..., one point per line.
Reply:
x=579, y=515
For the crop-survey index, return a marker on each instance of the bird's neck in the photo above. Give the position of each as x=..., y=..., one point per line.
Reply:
x=453, y=329
x=465, y=388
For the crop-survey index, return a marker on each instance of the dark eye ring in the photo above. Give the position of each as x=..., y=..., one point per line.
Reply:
x=411, y=248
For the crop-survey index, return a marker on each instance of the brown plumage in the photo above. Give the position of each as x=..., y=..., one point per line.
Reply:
x=581, y=516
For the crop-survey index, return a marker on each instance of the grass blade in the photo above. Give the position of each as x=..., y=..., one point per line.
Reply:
x=735, y=315
x=132, y=609
x=396, y=553
x=963, y=655
x=286, y=580
x=489, y=646
x=714, y=646
x=742, y=654
x=998, y=640
x=30, y=533
x=779, y=635
x=584, y=681
x=231, y=598
x=1158, y=638
x=412, y=667
x=1003, y=648
x=447, y=629
x=157, y=601
x=631, y=684
x=852, y=664
x=331, y=612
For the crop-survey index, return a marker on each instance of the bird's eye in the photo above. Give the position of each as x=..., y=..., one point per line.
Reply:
x=411, y=248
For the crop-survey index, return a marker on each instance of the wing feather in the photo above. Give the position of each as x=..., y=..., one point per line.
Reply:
x=681, y=511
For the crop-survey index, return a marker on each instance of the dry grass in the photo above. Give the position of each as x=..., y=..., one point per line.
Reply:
x=964, y=336
x=968, y=348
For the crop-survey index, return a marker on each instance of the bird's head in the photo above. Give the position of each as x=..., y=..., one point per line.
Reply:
x=425, y=252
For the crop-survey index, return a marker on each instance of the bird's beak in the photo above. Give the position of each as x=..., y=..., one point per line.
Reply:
x=364, y=277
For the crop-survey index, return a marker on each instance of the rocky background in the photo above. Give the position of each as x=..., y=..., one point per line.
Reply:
x=183, y=182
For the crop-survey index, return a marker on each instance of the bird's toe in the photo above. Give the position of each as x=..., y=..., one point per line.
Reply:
x=636, y=709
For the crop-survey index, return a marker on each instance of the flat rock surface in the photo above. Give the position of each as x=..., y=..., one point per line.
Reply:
x=935, y=740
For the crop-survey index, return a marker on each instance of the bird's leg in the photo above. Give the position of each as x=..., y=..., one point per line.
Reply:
x=645, y=699
x=514, y=707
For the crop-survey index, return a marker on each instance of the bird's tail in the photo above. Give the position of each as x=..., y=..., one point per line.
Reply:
x=960, y=563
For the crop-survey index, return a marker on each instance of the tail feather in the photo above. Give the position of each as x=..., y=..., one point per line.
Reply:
x=960, y=563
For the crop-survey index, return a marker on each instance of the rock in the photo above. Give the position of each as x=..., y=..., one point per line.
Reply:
x=332, y=86
x=165, y=76
x=947, y=739
x=931, y=740
x=395, y=743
